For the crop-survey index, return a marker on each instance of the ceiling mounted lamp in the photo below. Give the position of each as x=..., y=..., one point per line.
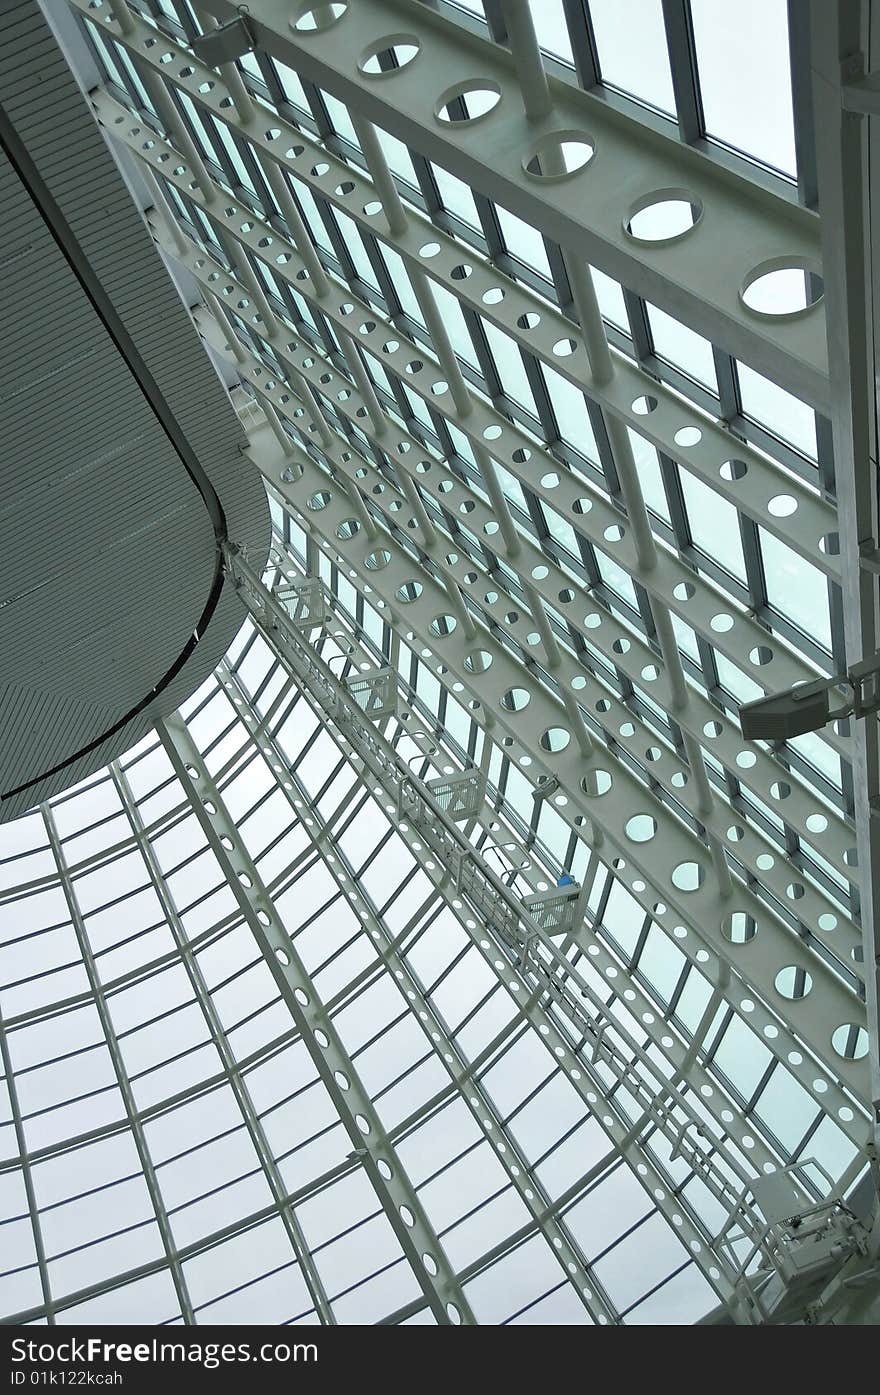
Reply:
x=227, y=42
x=807, y=707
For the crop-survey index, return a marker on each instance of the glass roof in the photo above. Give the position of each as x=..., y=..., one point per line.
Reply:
x=170, y=1148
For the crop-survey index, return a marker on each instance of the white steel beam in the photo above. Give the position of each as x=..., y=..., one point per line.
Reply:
x=670, y=583
x=699, y=276
x=644, y=868
x=641, y=401
x=823, y=916
x=844, y=44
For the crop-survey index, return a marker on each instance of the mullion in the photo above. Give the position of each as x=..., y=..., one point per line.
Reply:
x=640, y=329
x=683, y=67
x=583, y=42
x=802, y=101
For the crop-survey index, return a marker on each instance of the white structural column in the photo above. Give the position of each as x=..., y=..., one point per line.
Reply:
x=845, y=43
x=396, y=217
x=165, y=107
x=370, y=1142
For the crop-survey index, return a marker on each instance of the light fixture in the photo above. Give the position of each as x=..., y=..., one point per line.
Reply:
x=227, y=42
x=807, y=707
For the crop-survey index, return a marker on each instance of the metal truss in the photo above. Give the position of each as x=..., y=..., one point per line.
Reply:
x=671, y=583
x=594, y=709
x=587, y=934
x=646, y=867
x=850, y=237
x=753, y=766
x=701, y=275
x=675, y=589
x=645, y=404
x=700, y=718
x=529, y=954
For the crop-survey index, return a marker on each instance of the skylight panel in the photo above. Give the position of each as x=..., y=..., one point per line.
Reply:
x=631, y=44
x=744, y=73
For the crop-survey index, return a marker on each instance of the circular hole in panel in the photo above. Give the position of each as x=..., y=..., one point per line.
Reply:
x=375, y=561
x=385, y=57
x=688, y=876
x=596, y=783
x=564, y=347
x=816, y=823
x=739, y=927
x=643, y=405
x=830, y=544
x=515, y=699
x=641, y=828
x=792, y=983
x=467, y=101
x=761, y=654
x=782, y=506
x=442, y=625
x=663, y=216
x=559, y=155
x=310, y=19
x=555, y=739
x=317, y=501
x=347, y=529
x=733, y=470
x=478, y=660
x=722, y=623
x=782, y=288
x=688, y=436
x=850, y=1041
x=528, y=320
x=409, y=591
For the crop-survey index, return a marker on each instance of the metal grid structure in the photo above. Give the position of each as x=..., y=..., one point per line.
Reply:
x=451, y=956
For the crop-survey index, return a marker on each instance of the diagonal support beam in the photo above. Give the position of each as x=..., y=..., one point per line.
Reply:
x=395, y=1192
x=698, y=276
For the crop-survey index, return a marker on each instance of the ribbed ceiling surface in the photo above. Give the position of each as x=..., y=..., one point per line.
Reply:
x=107, y=551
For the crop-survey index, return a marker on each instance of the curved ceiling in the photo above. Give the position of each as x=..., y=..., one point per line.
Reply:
x=120, y=466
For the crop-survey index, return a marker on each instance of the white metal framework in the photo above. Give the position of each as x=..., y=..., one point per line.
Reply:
x=451, y=957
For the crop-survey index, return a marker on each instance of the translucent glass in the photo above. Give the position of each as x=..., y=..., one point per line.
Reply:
x=550, y=26
x=631, y=42
x=754, y=116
